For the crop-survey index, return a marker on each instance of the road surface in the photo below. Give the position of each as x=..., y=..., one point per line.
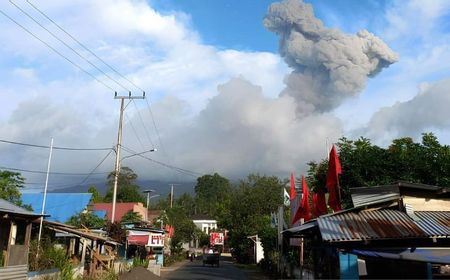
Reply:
x=196, y=270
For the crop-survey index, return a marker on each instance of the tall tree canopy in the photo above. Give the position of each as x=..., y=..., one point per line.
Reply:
x=365, y=164
x=212, y=195
x=127, y=190
x=10, y=185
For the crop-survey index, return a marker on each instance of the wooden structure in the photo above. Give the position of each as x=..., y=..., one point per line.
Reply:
x=15, y=232
x=96, y=252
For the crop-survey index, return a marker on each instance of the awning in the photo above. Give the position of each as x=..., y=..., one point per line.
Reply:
x=431, y=255
x=137, y=240
x=300, y=229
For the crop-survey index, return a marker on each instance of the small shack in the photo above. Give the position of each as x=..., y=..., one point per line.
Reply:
x=15, y=232
x=394, y=231
x=94, y=252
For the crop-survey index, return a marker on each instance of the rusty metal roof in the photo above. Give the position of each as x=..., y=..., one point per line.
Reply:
x=434, y=223
x=372, y=225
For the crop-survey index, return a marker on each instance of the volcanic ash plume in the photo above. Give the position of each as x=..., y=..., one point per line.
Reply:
x=329, y=65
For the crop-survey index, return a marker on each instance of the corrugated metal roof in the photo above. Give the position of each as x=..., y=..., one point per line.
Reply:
x=60, y=206
x=434, y=223
x=369, y=225
x=373, y=195
x=8, y=207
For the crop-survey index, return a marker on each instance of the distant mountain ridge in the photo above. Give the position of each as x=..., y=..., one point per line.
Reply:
x=161, y=188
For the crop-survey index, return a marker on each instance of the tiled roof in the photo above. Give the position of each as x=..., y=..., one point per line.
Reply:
x=121, y=209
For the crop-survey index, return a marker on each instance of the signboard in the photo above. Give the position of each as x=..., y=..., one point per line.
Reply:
x=156, y=240
x=216, y=238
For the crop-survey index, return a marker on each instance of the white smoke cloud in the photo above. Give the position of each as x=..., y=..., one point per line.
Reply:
x=329, y=65
x=244, y=125
x=427, y=111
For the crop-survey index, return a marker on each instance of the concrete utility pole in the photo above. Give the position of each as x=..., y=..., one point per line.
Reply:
x=171, y=194
x=45, y=193
x=119, y=144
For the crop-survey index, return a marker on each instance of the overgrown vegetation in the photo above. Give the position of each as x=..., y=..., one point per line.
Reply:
x=50, y=256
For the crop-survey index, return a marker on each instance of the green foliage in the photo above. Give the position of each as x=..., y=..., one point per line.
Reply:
x=115, y=231
x=184, y=227
x=88, y=220
x=213, y=194
x=50, y=257
x=127, y=190
x=251, y=203
x=96, y=196
x=10, y=183
x=365, y=164
x=140, y=262
x=131, y=217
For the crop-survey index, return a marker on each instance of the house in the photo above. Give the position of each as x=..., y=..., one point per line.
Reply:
x=60, y=206
x=121, y=209
x=204, y=223
x=394, y=231
x=15, y=232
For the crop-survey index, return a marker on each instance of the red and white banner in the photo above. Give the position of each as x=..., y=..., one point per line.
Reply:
x=156, y=240
x=216, y=238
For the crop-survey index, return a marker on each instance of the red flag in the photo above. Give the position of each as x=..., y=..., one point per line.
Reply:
x=303, y=208
x=292, y=193
x=334, y=169
x=319, y=205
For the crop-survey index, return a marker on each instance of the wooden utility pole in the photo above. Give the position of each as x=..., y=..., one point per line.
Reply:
x=118, y=146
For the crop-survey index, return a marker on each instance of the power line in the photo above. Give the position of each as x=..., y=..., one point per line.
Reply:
x=56, y=51
x=135, y=132
x=83, y=46
x=156, y=128
x=65, y=44
x=53, y=173
x=142, y=121
x=178, y=169
x=95, y=168
x=55, y=148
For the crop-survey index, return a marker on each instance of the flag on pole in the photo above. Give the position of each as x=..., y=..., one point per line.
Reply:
x=319, y=205
x=286, y=198
x=303, y=208
x=334, y=170
x=293, y=199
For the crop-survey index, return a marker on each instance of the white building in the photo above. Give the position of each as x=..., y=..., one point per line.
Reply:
x=204, y=223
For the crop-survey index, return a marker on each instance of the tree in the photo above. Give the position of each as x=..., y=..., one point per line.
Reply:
x=365, y=164
x=96, y=196
x=212, y=195
x=10, y=183
x=131, y=217
x=184, y=227
x=127, y=190
x=87, y=219
x=252, y=201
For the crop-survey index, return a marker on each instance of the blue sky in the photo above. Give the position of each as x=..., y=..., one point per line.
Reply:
x=214, y=81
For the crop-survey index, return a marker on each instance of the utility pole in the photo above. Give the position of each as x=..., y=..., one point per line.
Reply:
x=171, y=194
x=45, y=194
x=118, y=147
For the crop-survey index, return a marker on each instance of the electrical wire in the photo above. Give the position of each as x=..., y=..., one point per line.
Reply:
x=65, y=44
x=143, y=124
x=83, y=46
x=135, y=132
x=178, y=169
x=95, y=168
x=53, y=173
x=56, y=51
x=55, y=148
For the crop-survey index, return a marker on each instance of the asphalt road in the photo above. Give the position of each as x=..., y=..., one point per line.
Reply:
x=196, y=270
